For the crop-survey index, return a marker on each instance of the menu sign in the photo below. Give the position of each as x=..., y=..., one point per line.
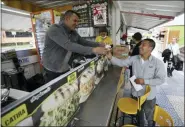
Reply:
x=83, y=11
x=56, y=103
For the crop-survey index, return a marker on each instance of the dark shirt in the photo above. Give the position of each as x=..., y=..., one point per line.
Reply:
x=59, y=40
x=134, y=52
x=136, y=49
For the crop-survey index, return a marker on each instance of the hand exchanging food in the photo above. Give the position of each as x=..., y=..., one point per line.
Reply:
x=100, y=50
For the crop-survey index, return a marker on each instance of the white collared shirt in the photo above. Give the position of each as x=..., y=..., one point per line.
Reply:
x=174, y=48
x=152, y=71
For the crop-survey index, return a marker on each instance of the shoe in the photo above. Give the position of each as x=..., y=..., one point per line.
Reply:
x=168, y=74
x=171, y=75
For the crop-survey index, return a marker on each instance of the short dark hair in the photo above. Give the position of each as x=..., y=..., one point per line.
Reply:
x=137, y=36
x=68, y=13
x=103, y=29
x=151, y=42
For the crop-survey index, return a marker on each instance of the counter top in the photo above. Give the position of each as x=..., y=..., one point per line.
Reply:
x=17, y=94
x=96, y=111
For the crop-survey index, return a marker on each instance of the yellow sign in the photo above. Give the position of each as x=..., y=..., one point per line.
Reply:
x=121, y=79
x=92, y=64
x=33, y=20
x=15, y=116
x=56, y=13
x=71, y=78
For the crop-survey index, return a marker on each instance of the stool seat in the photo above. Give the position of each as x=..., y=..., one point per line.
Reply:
x=128, y=105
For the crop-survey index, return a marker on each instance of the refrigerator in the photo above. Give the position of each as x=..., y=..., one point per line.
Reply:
x=41, y=21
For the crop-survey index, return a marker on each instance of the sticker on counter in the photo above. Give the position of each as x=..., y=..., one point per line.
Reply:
x=92, y=65
x=71, y=78
x=15, y=116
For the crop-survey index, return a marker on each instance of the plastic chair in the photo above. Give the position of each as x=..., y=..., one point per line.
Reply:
x=133, y=107
x=129, y=125
x=162, y=117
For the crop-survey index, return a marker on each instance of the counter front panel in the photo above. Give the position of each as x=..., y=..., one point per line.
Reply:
x=55, y=103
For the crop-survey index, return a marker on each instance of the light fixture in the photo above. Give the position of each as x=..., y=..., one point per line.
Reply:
x=19, y=12
x=2, y=2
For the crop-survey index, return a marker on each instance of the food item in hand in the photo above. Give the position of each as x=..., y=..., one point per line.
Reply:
x=108, y=47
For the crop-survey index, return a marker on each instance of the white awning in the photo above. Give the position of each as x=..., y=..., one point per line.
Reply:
x=149, y=14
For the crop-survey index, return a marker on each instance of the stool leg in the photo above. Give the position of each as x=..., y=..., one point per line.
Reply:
x=132, y=119
x=123, y=118
x=138, y=120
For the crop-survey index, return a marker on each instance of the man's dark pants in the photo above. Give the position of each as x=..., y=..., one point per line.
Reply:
x=49, y=75
x=148, y=110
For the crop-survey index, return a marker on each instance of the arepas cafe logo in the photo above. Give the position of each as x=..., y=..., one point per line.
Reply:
x=36, y=97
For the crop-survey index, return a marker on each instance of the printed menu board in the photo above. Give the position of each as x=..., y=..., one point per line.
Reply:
x=55, y=103
x=85, y=14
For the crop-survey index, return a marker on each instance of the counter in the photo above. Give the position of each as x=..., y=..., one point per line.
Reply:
x=61, y=97
x=17, y=94
x=74, y=95
x=96, y=111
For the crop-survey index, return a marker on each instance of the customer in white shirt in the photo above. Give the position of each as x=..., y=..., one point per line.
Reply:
x=174, y=47
x=148, y=70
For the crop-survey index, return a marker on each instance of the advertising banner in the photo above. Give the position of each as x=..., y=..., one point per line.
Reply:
x=100, y=13
x=55, y=103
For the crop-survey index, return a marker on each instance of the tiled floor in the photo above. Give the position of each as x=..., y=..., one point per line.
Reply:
x=170, y=95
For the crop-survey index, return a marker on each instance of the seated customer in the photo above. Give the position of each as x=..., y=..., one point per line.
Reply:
x=103, y=36
x=148, y=70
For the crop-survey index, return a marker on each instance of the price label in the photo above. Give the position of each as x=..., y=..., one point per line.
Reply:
x=92, y=64
x=15, y=116
x=33, y=20
x=71, y=78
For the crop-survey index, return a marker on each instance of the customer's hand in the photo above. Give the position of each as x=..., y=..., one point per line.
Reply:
x=100, y=50
x=109, y=55
x=140, y=81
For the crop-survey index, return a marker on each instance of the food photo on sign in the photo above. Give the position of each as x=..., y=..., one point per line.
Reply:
x=57, y=109
x=87, y=80
x=99, y=13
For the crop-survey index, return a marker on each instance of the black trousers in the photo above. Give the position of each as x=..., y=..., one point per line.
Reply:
x=49, y=75
x=170, y=68
x=147, y=109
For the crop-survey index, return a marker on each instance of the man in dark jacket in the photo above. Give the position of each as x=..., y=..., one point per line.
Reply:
x=61, y=41
x=137, y=39
x=135, y=51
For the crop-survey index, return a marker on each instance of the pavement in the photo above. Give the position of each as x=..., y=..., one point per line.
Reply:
x=170, y=95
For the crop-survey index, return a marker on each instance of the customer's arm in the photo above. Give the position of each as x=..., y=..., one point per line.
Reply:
x=120, y=62
x=84, y=42
x=160, y=75
x=62, y=40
